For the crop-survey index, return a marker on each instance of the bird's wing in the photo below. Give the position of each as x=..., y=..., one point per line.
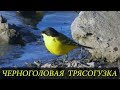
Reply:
x=64, y=39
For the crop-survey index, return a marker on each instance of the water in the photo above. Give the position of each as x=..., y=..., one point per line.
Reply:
x=17, y=55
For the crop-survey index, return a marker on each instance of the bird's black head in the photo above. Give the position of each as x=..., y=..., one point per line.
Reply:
x=50, y=32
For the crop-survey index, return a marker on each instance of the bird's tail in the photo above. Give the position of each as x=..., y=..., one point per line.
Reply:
x=86, y=47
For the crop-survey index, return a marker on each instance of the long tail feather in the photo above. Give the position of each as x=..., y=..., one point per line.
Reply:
x=86, y=47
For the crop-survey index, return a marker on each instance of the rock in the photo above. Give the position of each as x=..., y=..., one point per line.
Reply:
x=77, y=12
x=12, y=34
x=91, y=64
x=48, y=65
x=37, y=63
x=8, y=34
x=2, y=19
x=73, y=64
x=76, y=64
x=31, y=65
x=100, y=30
x=31, y=18
x=68, y=65
x=27, y=35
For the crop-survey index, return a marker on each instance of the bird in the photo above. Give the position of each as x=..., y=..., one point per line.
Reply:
x=58, y=43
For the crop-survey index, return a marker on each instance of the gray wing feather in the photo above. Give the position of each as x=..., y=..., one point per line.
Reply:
x=69, y=41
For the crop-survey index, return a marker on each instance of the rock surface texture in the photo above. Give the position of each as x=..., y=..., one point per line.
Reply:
x=100, y=30
x=6, y=32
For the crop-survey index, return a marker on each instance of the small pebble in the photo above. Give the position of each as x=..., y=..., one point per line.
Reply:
x=91, y=64
x=37, y=63
x=47, y=65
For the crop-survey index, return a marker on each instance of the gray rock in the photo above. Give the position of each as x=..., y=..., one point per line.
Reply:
x=12, y=34
x=38, y=63
x=76, y=64
x=7, y=34
x=48, y=65
x=31, y=65
x=100, y=30
x=2, y=19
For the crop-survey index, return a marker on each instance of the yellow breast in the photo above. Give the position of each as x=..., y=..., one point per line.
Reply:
x=57, y=47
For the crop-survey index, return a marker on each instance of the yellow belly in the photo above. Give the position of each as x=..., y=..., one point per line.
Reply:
x=57, y=48
x=60, y=50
